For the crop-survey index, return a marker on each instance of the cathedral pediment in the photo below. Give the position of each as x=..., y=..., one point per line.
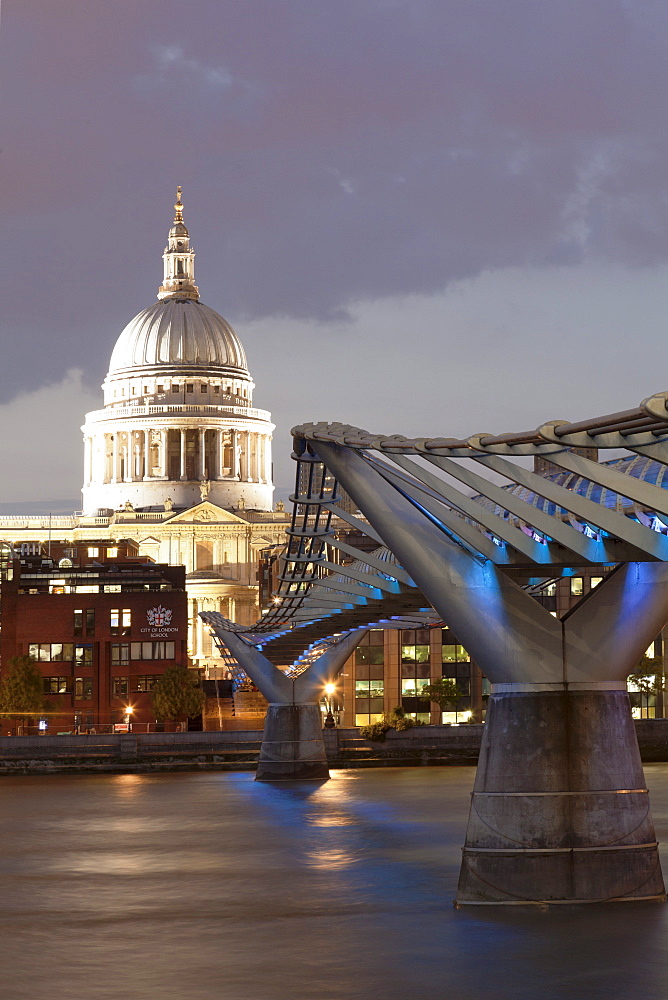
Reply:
x=205, y=513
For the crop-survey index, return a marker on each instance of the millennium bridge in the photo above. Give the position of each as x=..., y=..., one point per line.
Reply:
x=462, y=531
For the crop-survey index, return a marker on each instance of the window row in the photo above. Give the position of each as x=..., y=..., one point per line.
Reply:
x=451, y=652
x=123, y=652
x=81, y=687
x=369, y=689
x=62, y=652
x=123, y=685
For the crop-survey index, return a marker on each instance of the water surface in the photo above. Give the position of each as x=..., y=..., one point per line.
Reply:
x=209, y=885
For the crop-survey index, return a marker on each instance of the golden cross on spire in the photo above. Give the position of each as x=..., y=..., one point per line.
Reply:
x=178, y=207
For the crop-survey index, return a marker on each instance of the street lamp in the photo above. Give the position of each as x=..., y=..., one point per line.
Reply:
x=329, y=718
x=128, y=713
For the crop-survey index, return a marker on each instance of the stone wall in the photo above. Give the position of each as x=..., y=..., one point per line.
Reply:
x=239, y=750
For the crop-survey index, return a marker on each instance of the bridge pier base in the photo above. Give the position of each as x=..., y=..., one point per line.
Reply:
x=559, y=811
x=293, y=748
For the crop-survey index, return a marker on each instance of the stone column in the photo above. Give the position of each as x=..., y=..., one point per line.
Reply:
x=130, y=466
x=148, y=472
x=246, y=457
x=236, y=464
x=135, y=448
x=183, y=454
x=220, y=452
x=163, y=454
x=267, y=457
x=87, y=461
x=263, y=467
x=202, y=453
x=114, y=458
x=255, y=457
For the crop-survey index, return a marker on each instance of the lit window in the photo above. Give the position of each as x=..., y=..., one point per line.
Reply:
x=120, y=654
x=83, y=655
x=577, y=586
x=112, y=553
x=119, y=685
x=152, y=650
x=595, y=580
x=120, y=622
x=83, y=688
x=51, y=651
x=56, y=685
x=417, y=654
x=144, y=683
x=93, y=553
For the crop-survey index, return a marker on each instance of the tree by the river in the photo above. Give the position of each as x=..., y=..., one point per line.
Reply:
x=443, y=693
x=21, y=688
x=177, y=694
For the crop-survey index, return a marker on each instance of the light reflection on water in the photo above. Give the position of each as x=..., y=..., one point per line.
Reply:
x=210, y=885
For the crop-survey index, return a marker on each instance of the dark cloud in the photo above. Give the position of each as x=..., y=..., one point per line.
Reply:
x=329, y=152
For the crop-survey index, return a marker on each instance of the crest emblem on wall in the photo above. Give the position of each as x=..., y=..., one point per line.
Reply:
x=159, y=616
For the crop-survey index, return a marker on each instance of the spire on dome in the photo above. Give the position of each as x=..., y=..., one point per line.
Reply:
x=178, y=207
x=179, y=275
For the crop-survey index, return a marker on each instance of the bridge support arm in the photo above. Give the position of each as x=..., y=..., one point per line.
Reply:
x=560, y=812
x=293, y=747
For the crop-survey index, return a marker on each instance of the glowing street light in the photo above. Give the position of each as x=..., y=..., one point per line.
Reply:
x=329, y=718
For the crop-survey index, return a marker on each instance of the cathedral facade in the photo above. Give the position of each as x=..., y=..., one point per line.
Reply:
x=178, y=459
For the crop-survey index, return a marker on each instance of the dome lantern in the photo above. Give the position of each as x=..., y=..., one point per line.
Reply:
x=179, y=260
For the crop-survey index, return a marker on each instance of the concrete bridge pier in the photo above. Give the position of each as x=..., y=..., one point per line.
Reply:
x=559, y=810
x=292, y=744
x=293, y=747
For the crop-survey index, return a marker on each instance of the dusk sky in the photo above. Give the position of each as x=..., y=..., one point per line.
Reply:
x=420, y=216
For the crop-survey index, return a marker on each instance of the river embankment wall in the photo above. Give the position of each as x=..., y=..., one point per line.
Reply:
x=239, y=750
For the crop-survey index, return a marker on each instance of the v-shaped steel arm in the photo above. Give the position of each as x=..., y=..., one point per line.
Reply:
x=277, y=687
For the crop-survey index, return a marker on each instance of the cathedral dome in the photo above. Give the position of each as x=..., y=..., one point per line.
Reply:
x=178, y=332
x=178, y=422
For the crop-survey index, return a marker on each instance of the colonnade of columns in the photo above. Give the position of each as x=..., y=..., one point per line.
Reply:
x=183, y=453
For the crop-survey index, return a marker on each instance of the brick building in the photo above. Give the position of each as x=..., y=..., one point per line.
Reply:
x=102, y=633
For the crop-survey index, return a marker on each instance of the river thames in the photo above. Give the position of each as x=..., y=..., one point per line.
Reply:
x=209, y=885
